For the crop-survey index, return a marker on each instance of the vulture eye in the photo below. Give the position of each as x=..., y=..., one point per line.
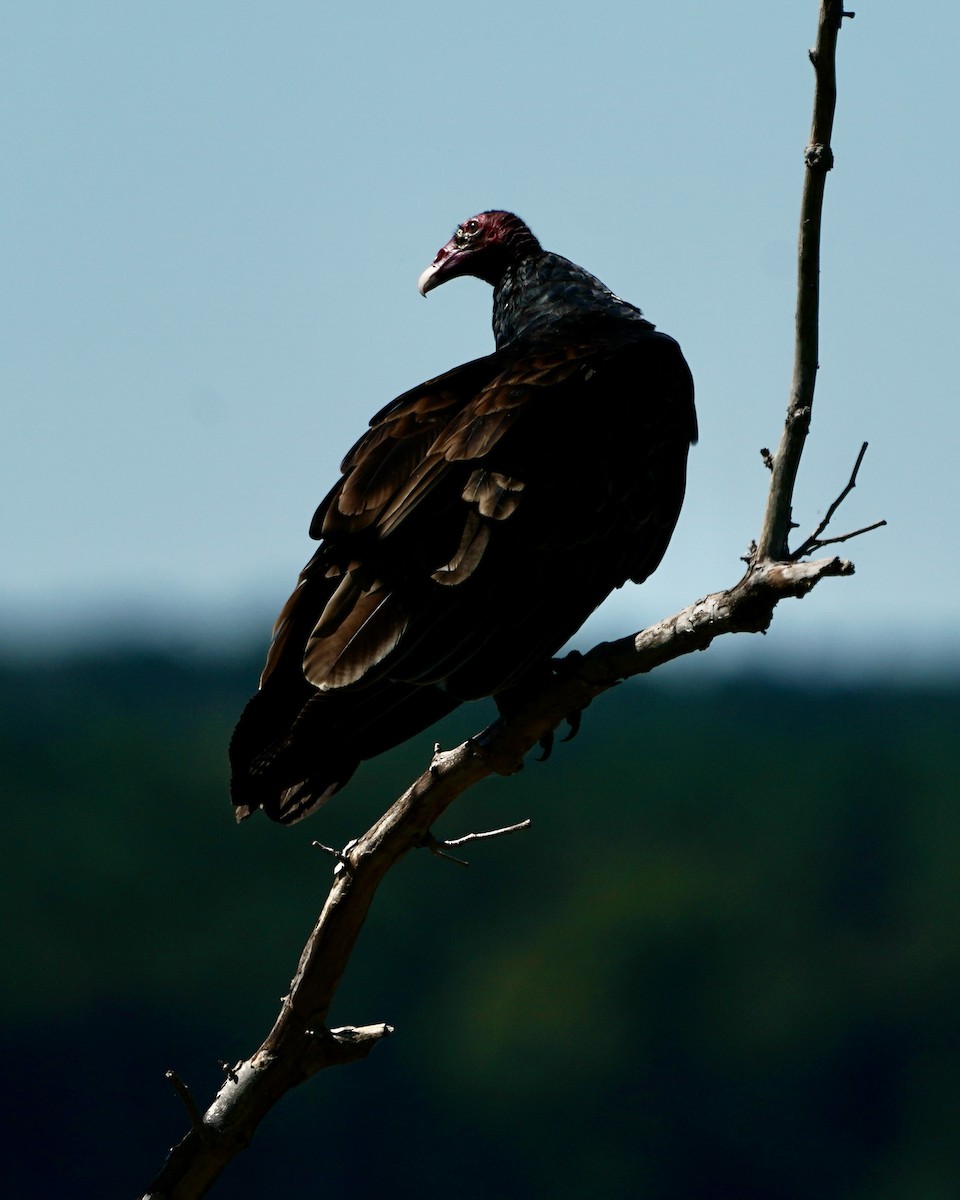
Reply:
x=466, y=232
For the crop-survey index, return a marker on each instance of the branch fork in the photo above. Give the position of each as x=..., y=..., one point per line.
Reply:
x=815, y=542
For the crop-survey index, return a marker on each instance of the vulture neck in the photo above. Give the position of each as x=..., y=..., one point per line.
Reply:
x=544, y=293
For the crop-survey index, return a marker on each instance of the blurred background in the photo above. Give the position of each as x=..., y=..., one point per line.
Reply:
x=723, y=962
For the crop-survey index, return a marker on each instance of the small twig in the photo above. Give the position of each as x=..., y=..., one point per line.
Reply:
x=851, y=484
x=440, y=848
x=342, y=856
x=229, y=1071
x=490, y=833
x=819, y=543
x=435, y=846
x=334, y=853
x=814, y=542
x=196, y=1117
x=361, y=1033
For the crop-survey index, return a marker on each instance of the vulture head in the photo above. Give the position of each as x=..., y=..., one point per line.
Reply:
x=484, y=246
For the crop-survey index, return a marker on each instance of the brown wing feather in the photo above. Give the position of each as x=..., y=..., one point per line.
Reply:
x=402, y=457
x=361, y=640
x=477, y=524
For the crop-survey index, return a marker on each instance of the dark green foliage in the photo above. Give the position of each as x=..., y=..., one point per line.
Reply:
x=723, y=963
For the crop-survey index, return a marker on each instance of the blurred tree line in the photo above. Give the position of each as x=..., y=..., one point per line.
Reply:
x=724, y=962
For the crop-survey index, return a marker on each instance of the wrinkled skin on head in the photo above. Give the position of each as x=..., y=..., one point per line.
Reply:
x=483, y=247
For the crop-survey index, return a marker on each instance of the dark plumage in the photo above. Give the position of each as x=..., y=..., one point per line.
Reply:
x=479, y=521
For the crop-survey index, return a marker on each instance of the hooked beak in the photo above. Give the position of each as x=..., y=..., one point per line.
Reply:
x=428, y=279
x=445, y=266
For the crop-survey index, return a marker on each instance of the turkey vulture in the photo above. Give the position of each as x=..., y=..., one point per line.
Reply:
x=476, y=525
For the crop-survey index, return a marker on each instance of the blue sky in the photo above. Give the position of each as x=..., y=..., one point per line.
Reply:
x=216, y=214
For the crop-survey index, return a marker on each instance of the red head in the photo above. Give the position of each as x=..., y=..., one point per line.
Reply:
x=484, y=246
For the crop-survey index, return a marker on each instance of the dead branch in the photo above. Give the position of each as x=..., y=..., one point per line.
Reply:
x=300, y=1045
x=818, y=156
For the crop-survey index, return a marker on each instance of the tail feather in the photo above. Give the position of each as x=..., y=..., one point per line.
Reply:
x=290, y=753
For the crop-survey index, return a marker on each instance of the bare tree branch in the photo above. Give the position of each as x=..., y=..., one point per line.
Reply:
x=772, y=542
x=300, y=1045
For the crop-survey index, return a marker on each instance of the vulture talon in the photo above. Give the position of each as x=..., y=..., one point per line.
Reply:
x=546, y=745
x=574, y=720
